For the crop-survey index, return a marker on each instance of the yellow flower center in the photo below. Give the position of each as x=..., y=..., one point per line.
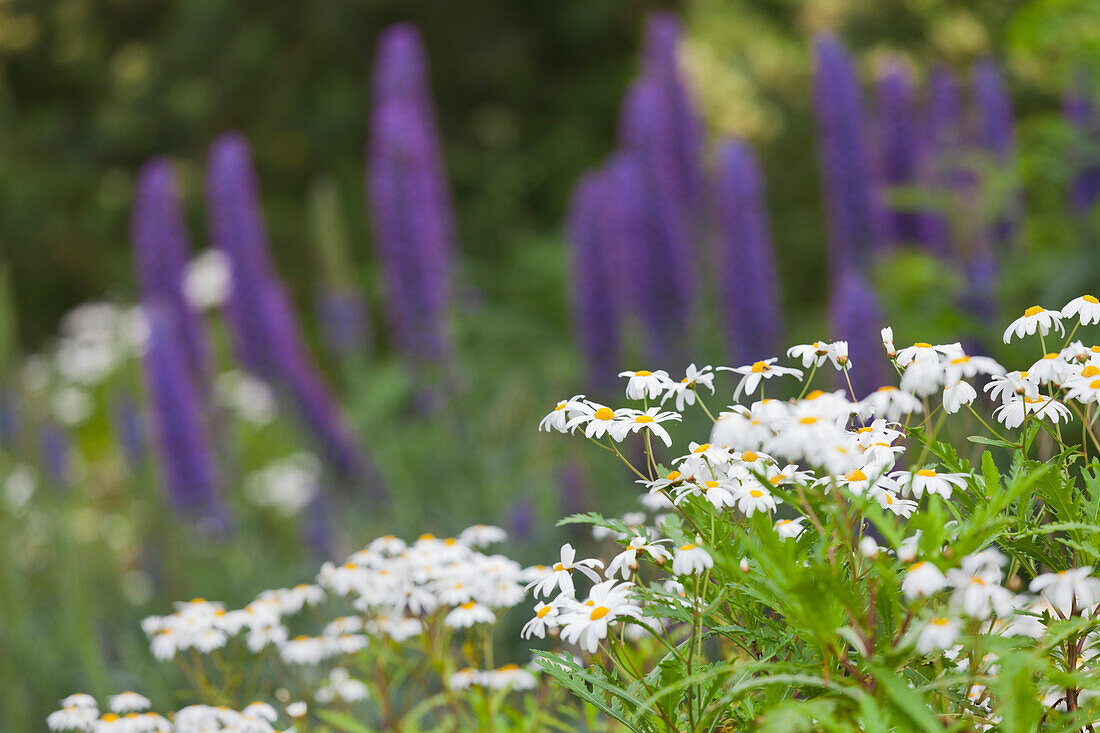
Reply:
x=926, y=472
x=643, y=373
x=923, y=345
x=775, y=480
x=916, y=565
x=808, y=420
x=814, y=395
x=558, y=567
x=1090, y=371
x=864, y=430
x=711, y=484
x=560, y=407
x=941, y=621
x=109, y=718
x=1090, y=299
x=887, y=388
x=759, y=367
x=702, y=449
x=1048, y=357
x=1033, y=310
x=856, y=475
x=644, y=418
x=604, y=413
x=426, y=536
x=468, y=605
x=544, y=611
x=508, y=668
x=599, y=612
x=674, y=476
x=1095, y=384
x=749, y=457
x=756, y=493
x=961, y=360
x=688, y=547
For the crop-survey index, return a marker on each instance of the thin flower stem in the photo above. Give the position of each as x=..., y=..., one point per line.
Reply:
x=987, y=427
x=809, y=380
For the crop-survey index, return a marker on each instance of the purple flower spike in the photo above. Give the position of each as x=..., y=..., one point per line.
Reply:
x=747, y=280
x=411, y=211
x=596, y=309
x=661, y=261
x=345, y=321
x=316, y=406
x=857, y=319
x=161, y=251
x=845, y=167
x=1080, y=111
x=56, y=453
x=264, y=327
x=942, y=138
x=661, y=65
x=186, y=456
x=237, y=229
x=900, y=149
x=995, y=126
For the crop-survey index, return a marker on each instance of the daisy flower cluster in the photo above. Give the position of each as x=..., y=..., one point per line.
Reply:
x=858, y=494
x=393, y=602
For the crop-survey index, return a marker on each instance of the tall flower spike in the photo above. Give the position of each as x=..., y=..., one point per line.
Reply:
x=857, y=319
x=662, y=267
x=996, y=135
x=161, y=252
x=900, y=150
x=411, y=211
x=186, y=456
x=942, y=130
x=844, y=159
x=1080, y=111
x=595, y=307
x=747, y=279
x=237, y=229
x=661, y=64
x=263, y=323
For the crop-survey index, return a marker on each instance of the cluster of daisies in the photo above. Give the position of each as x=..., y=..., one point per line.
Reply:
x=128, y=712
x=832, y=441
x=391, y=590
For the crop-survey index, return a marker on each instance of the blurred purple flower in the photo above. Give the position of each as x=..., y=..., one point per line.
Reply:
x=9, y=419
x=942, y=130
x=747, y=280
x=316, y=526
x=857, y=318
x=521, y=519
x=844, y=158
x=128, y=429
x=661, y=265
x=411, y=211
x=1080, y=111
x=264, y=326
x=161, y=252
x=900, y=149
x=996, y=135
x=684, y=141
x=186, y=455
x=55, y=448
x=345, y=321
x=596, y=307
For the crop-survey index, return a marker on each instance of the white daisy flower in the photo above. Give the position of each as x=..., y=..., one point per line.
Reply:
x=128, y=702
x=958, y=394
x=887, y=335
x=691, y=560
x=1086, y=308
x=811, y=355
x=633, y=421
x=587, y=624
x=1050, y=368
x=1006, y=387
x=306, y=650
x=1034, y=318
x=937, y=635
x=596, y=418
x=889, y=501
x=1082, y=388
x=789, y=528
x=968, y=367
x=979, y=594
x=891, y=403
x=465, y=678
x=626, y=561
x=685, y=389
x=339, y=686
x=545, y=618
x=1012, y=414
x=757, y=371
x=923, y=351
x=1068, y=590
x=565, y=411
x=561, y=577
x=927, y=479
x=923, y=579
x=469, y=614
x=510, y=676
x=644, y=384
x=73, y=717
x=481, y=535
x=755, y=499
